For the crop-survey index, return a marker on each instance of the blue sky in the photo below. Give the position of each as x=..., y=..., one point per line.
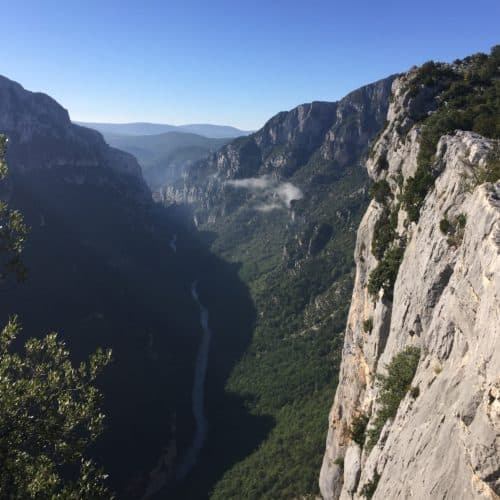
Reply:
x=226, y=62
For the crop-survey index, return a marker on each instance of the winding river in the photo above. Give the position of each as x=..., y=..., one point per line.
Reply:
x=173, y=243
x=198, y=395
x=159, y=476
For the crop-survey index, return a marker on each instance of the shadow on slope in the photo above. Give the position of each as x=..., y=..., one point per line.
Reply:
x=101, y=273
x=233, y=432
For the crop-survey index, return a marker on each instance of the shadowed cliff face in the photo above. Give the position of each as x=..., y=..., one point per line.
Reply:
x=442, y=440
x=284, y=205
x=41, y=135
x=101, y=272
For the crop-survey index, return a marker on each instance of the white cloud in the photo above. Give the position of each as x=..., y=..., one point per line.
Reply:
x=268, y=207
x=287, y=192
x=252, y=183
x=272, y=194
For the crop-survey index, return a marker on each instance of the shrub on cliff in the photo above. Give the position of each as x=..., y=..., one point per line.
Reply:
x=384, y=231
x=369, y=488
x=385, y=274
x=380, y=191
x=491, y=171
x=467, y=100
x=392, y=389
x=358, y=428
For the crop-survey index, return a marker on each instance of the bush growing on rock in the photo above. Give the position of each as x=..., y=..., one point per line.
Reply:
x=444, y=226
x=393, y=388
x=384, y=231
x=370, y=487
x=454, y=229
x=340, y=462
x=467, y=99
x=385, y=274
x=368, y=325
x=358, y=428
x=491, y=172
x=380, y=191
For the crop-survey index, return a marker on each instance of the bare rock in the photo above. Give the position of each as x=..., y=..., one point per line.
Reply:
x=445, y=442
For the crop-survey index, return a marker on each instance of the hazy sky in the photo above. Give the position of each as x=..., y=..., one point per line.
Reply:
x=227, y=62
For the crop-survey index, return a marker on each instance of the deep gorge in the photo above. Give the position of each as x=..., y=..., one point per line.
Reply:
x=293, y=267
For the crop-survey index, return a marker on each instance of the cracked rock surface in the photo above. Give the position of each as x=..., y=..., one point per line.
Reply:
x=444, y=443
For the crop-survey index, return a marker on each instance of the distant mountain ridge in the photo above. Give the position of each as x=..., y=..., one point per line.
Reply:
x=165, y=157
x=164, y=151
x=144, y=128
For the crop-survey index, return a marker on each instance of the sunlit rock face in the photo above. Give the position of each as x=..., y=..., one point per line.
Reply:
x=444, y=441
x=313, y=143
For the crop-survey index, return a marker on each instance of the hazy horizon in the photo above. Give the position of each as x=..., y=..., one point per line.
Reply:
x=142, y=122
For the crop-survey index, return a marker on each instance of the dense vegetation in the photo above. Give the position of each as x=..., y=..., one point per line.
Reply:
x=13, y=230
x=385, y=274
x=393, y=388
x=386, y=246
x=380, y=191
x=49, y=409
x=384, y=231
x=468, y=98
x=49, y=415
x=301, y=295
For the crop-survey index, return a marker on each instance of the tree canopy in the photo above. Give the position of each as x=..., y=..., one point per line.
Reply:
x=49, y=407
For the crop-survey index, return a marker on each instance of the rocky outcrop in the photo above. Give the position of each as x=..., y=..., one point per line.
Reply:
x=41, y=136
x=444, y=441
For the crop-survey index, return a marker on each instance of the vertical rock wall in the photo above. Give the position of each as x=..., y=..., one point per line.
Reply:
x=445, y=442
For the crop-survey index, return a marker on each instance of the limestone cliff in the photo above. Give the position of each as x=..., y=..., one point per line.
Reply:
x=312, y=144
x=41, y=136
x=444, y=441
